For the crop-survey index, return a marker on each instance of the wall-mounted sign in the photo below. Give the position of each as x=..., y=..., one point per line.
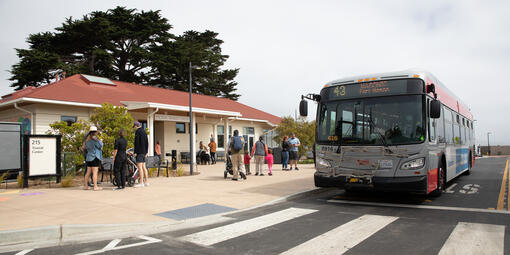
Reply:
x=175, y=118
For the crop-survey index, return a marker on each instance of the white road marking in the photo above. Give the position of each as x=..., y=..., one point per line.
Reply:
x=475, y=238
x=113, y=245
x=148, y=239
x=470, y=189
x=430, y=207
x=450, y=189
x=23, y=252
x=344, y=237
x=220, y=234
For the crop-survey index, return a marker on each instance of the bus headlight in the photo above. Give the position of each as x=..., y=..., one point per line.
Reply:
x=413, y=164
x=323, y=163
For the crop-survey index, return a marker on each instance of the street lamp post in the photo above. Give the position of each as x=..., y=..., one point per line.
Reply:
x=488, y=144
x=191, y=131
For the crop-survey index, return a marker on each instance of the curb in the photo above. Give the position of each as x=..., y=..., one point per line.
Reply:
x=47, y=236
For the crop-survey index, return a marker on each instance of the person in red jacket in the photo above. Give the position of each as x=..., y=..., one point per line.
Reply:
x=247, y=159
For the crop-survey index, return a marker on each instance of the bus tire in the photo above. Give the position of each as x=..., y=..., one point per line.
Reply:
x=320, y=183
x=441, y=182
x=470, y=164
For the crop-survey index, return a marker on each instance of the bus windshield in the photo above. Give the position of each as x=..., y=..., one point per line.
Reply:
x=372, y=121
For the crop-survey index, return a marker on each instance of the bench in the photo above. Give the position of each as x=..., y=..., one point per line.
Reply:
x=155, y=161
x=220, y=155
x=185, y=157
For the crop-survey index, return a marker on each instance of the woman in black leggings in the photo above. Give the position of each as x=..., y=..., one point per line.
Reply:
x=120, y=163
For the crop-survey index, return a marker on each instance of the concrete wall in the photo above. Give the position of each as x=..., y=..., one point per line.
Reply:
x=496, y=150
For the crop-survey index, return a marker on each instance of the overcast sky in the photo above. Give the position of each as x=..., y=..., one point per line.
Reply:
x=288, y=48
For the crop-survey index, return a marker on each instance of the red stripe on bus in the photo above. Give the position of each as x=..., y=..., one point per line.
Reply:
x=431, y=180
x=451, y=102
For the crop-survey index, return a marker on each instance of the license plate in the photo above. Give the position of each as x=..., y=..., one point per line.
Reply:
x=386, y=163
x=353, y=180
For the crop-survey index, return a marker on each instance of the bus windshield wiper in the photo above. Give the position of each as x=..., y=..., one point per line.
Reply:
x=383, y=137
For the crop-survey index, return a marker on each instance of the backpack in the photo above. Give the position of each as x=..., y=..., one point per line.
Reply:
x=237, y=143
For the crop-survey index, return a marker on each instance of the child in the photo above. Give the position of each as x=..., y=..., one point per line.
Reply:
x=270, y=160
x=247, y=159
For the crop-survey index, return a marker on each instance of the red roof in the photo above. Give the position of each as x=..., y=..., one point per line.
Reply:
x=78, y=89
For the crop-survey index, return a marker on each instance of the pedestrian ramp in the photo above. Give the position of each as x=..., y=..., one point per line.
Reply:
x=386, y=233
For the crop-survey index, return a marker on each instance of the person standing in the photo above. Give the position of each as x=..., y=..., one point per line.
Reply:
x=294, y=145
x=285, y=153
x=94, y=157
x=260, y=152
x=270, y=161
x=120, y=160
x=141, y=149
x=212, y=148
x=247, y=159
x=157, y=151
x=236, y=148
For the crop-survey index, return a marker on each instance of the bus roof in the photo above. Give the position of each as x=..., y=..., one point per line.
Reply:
x=443, y=93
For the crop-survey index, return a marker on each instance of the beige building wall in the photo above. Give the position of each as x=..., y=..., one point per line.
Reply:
x=46, y=114
x=12, y=115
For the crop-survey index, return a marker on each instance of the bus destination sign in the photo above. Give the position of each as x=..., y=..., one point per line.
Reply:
x=373, y=89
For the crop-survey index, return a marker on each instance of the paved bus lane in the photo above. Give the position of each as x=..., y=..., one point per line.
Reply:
x=481, y=189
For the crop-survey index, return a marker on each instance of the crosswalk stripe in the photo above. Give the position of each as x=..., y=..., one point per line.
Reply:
x=220, y=234
x=344, y=237
x=475, y=238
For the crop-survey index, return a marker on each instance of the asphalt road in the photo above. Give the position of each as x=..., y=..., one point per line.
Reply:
x=464, y=220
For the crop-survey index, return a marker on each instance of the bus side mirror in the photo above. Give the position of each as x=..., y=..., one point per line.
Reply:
x=303, y=108
x=435, y=109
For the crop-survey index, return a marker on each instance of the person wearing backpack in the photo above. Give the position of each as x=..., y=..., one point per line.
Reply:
x=236, y=148
x=260, y=151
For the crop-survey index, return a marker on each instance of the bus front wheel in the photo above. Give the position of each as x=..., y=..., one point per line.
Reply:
x=470, y=164
x=441, y=182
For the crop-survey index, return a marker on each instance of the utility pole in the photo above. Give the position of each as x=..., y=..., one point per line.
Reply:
x=488, y=144
x=191, y=131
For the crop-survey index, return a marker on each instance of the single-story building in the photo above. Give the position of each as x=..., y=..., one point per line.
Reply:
x=164, y=112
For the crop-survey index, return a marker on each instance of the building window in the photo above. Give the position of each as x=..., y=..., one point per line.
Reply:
x=69, y=119
x=180, y=128
x=229, y=131
x=221, y=136
x=249, y=131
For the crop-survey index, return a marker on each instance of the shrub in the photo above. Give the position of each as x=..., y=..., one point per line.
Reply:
x=3, y=176
x=20, y=180
x=110, y=119
x=67, y=181
x=180, y=170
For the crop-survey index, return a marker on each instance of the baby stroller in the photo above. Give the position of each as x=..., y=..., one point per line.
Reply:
x=229, y=169
x=203, y=157
x=132, y=170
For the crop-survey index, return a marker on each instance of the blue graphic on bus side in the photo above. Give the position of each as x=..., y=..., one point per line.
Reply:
x=461, y=156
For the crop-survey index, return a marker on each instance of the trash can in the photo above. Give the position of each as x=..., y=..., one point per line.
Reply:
x=174, y=159
x=277, y=155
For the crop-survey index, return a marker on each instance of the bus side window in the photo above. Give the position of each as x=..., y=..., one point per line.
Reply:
x=448, y=125
x=456, y=129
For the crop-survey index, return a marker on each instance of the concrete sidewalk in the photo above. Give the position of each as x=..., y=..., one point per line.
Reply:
x=21, y=209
